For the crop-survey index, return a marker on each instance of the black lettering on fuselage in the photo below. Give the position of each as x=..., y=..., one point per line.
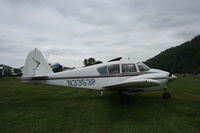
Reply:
x=83, y=82
x=93, y=81
x=74, y=82
x=80, y=82
x=88, y=82
x=69, y=83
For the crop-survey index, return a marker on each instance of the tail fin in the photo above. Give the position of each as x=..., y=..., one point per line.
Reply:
x=36, y=65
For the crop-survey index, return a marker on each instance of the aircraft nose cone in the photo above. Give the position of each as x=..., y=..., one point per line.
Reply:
x=172, y=77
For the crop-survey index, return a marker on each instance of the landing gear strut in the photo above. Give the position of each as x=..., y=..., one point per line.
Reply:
x=166, y=95
x=124, y=99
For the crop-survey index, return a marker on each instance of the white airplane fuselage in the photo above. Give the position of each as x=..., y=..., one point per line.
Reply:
x=90, y=78
x=123, y=76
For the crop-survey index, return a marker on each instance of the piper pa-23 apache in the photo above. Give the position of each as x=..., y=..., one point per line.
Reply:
x=122, y=76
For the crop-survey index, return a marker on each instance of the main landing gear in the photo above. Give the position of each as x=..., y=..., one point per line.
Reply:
x=166, y=95
x=124, y=99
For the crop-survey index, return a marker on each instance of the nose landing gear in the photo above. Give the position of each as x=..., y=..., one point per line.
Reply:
x=166, y=95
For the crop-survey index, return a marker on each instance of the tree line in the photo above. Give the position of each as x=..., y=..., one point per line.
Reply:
x=184, y=58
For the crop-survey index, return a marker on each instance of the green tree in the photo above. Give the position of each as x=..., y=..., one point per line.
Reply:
x=90, y=61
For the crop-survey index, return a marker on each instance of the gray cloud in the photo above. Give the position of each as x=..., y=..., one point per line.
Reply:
x=69, y=31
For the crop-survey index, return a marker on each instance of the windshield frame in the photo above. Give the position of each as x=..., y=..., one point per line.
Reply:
x=142, y=67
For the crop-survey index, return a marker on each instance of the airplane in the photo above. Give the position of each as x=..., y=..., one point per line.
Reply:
x=126, y=77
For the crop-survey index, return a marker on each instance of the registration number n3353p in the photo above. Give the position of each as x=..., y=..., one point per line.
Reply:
x=81, y=82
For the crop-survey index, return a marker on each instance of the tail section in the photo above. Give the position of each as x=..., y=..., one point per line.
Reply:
x=36, y=65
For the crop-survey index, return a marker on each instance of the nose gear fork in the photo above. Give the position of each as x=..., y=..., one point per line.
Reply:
x=166, y=95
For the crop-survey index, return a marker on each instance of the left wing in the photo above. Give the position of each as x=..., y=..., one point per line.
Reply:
x=139, y=83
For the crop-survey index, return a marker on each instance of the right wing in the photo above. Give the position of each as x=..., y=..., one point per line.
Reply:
x=139, y=83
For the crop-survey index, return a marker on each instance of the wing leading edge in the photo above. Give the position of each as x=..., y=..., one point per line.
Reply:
x=139, y=83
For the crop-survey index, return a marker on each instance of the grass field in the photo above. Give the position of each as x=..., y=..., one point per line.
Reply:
x=30, y=108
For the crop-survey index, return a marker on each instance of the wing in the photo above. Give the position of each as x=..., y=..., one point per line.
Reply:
x=140, y=83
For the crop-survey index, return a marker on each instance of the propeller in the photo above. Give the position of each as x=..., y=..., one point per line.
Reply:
x=170, y=74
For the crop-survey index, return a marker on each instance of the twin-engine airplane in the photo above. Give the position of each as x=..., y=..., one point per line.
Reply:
x=121, y=76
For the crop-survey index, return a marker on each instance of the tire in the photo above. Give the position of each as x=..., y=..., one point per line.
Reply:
x=124, y=99
x=166, y=95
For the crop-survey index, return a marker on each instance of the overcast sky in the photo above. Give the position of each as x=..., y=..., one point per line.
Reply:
x=67, y=31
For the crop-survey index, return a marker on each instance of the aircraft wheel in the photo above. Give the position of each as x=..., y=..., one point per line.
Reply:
x=124, y=99
x=166, y=95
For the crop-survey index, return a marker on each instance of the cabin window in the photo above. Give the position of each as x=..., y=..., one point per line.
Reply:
x=128, y=68
x=103, y=70
x=114, y=69
x=142, y=67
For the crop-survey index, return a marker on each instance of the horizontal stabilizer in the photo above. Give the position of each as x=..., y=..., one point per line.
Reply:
x=116, y=59
x=140, y=83
x=30, y=78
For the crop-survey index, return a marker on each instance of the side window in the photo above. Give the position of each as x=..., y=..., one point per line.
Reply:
x=127, y=68
x=103, y=70
x=114, y=69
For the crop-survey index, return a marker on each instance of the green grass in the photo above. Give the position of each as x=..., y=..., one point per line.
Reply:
x=31, y=108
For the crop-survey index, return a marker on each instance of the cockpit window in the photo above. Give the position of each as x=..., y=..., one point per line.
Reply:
x=103, y=70
x=127, y=68
x=114, y=69
x=142, y=66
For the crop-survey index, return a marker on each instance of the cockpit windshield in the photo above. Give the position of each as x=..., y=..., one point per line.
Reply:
x=142, y=66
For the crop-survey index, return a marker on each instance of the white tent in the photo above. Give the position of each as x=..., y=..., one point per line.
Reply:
x=1, y=71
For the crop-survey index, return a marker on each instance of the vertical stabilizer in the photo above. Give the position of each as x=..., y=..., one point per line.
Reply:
x=36, y=65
